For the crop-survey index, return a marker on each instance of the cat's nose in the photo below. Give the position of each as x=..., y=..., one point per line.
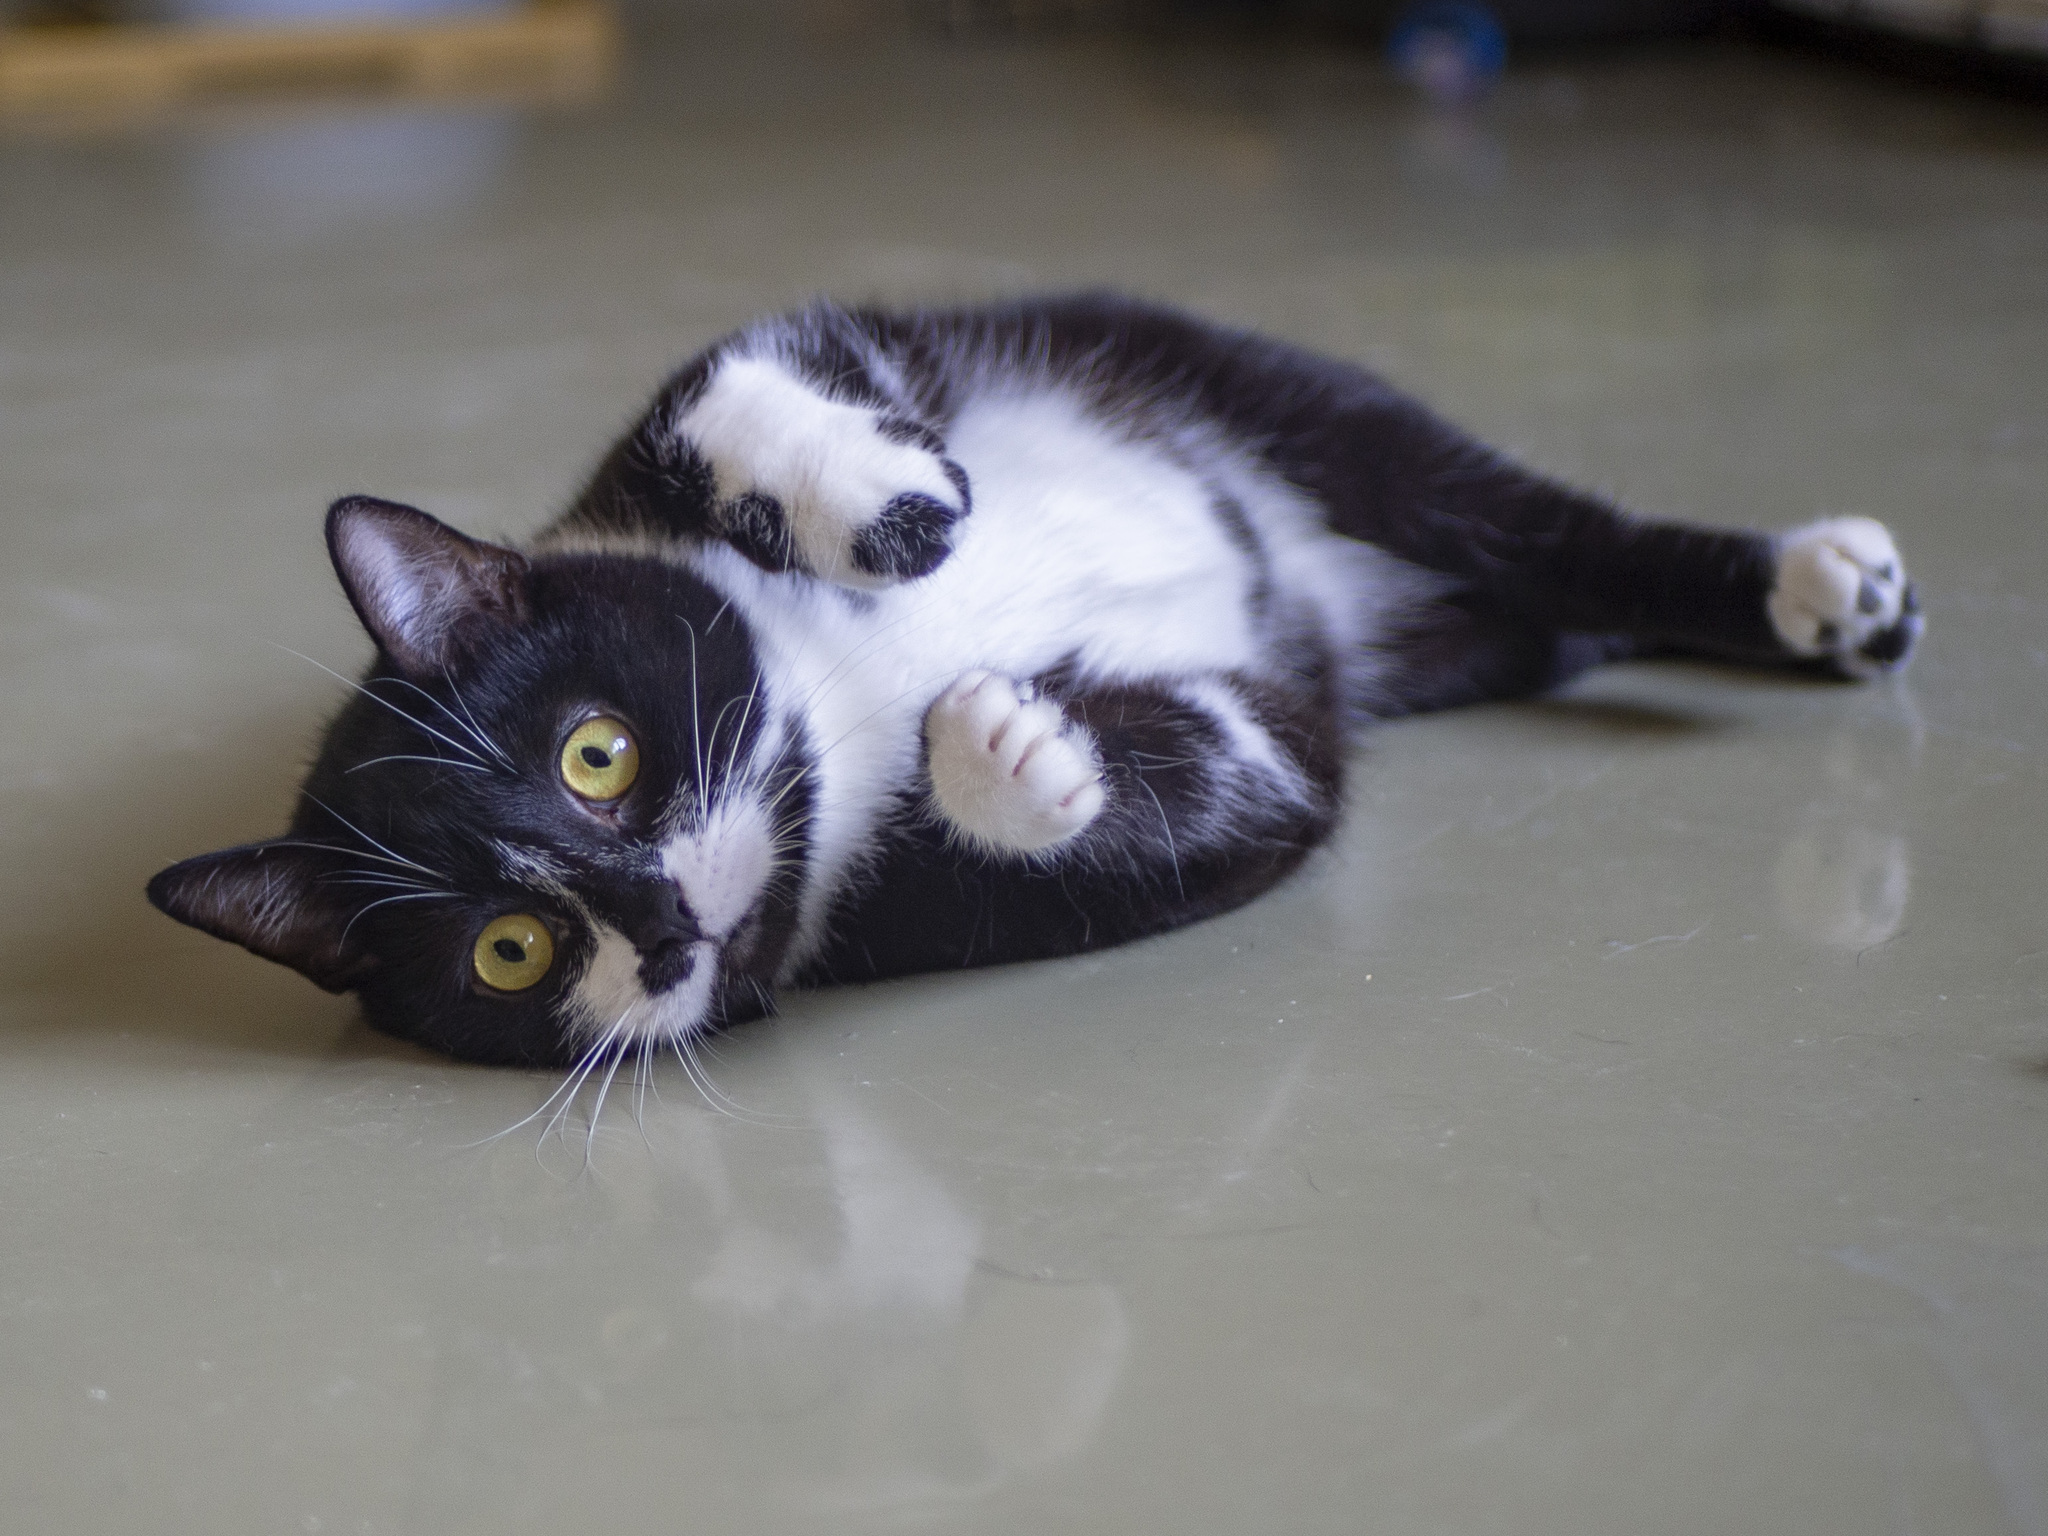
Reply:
x=662, y=919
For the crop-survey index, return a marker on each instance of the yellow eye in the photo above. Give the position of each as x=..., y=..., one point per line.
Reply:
x=600, y=760
x=513, y=952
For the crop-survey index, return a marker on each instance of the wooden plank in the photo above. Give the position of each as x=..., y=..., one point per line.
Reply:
x=547, y=48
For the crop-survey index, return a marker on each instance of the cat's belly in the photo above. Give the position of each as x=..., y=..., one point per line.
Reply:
x=1083, y=548
x=1087, y=546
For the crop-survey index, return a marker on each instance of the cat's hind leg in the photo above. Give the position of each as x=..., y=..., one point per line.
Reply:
x=1067, y=815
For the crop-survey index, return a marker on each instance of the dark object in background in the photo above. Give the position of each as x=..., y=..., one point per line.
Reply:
x=1999, y=43
x=1538, y=21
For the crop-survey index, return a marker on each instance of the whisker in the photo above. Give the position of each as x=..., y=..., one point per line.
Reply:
x=1166, y=827
x=573, y=1080
x=589, y=1064
x=411, y=757
x=413, y=720
x=740, y=732
x=355, y=852
x=597, y=1109
x=832, y=679
x=718, y=724
x=886, y=705
x=359, y=832
x=642, y=1070
x=686, y=1046
x=385, y=901
x=696, y=721
x=382, y=879
x=453, y=718
x=474, y=729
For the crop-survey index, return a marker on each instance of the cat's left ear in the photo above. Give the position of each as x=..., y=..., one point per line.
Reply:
x=287, y=901
x=422, y=590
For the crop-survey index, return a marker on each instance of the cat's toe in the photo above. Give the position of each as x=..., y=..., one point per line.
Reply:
x=1009, y=770
x=1841, y=595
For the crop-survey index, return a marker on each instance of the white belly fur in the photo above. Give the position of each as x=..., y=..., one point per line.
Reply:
x=1081, y=544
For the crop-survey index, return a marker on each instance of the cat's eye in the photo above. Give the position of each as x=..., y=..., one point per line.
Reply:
x=513, y=952
x=600, y=760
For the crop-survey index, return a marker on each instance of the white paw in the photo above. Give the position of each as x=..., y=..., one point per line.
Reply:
x=840, y=491
x=1009, y=770
x=1842, y=594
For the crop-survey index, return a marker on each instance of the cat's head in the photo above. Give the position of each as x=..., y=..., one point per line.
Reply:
x=556, y=815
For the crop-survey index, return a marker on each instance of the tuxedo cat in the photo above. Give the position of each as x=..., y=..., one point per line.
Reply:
x=888, y=643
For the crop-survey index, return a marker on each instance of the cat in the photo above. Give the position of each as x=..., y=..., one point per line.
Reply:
x=887, y=643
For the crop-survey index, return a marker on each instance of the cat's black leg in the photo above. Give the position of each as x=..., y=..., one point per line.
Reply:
x=1465, y=649
x=1582, y=579
x=1545, y=578
x=796, y=441
x=1063, y=818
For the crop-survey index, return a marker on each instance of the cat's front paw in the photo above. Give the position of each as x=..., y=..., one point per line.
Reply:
x=802, y=482
x=1841, y=594
x=1009, y=770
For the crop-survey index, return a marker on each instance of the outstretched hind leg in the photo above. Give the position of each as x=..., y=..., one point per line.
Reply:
x=1466, y=651
x=1540, y=579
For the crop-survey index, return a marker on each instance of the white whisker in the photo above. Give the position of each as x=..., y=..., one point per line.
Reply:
x=386, y=901
x=359, y=832
x=474, y=729
x=409, y=757
x=597, y=1109
x=696, y=723
x=685, y=1045
x=411, y=719
x=568, y=1084
x=353, y=852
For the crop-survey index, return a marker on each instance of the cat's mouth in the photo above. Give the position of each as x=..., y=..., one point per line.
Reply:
x=670, y=963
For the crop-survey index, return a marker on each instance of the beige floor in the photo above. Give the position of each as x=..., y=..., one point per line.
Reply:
x=1636, y=1124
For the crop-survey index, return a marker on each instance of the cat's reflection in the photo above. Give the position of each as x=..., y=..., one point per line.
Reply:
x=1845, y=886
x=953, y=1376
x=1845, y=877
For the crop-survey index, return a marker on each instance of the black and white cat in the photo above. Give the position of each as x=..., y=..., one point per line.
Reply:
x=892, y=643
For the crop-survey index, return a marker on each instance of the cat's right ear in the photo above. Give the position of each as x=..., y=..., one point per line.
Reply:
x=287, y=901
x=422, y=590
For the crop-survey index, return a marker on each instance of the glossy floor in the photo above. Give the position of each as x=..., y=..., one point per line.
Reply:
x=1634, y=1124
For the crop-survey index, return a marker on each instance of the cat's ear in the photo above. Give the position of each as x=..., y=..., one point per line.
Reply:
x=285, y=901
x=421, y=589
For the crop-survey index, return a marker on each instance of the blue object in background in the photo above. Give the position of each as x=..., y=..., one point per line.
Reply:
x=1450, y=50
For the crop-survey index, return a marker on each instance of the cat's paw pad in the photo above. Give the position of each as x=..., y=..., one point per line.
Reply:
x=801, y=482
x=1841, y=594
x=1010, y=770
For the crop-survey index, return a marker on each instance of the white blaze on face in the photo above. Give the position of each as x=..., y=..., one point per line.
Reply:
x=722, y=864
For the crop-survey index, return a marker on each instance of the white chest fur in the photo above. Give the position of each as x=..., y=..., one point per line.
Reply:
x=1083, y=544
